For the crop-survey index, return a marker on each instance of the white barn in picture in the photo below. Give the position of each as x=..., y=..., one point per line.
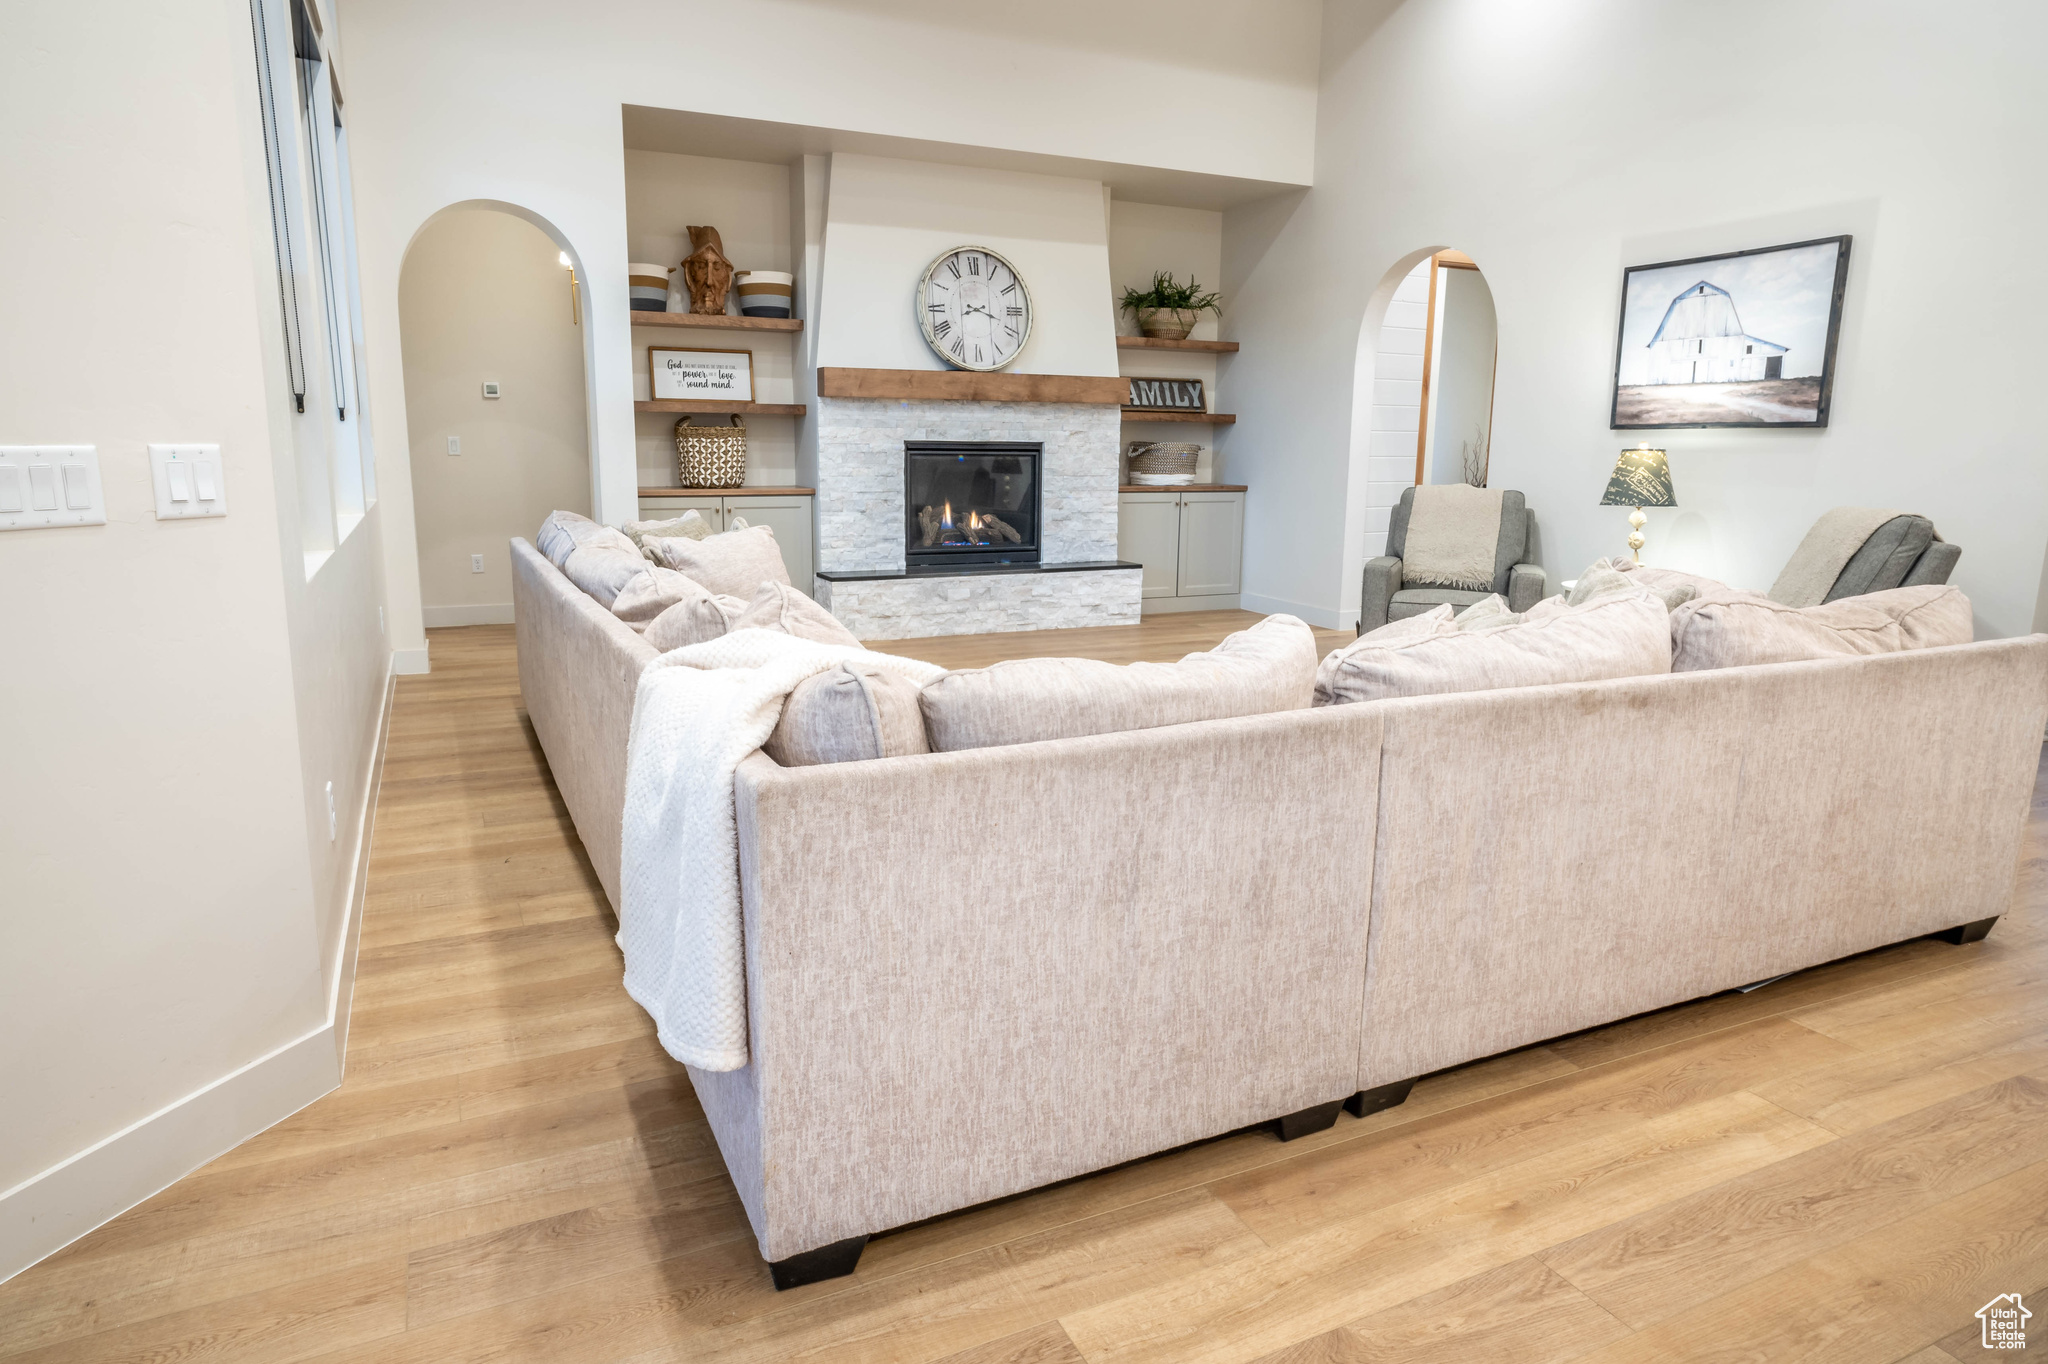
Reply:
x=1701, y=341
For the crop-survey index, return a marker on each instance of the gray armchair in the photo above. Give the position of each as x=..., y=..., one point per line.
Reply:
x=1900, y=553
x=1515, y=576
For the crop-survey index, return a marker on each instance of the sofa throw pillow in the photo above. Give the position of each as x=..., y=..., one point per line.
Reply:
x=1616, y=634
x=1737, y=630
x=1270, y=667
x=1675, y=586
x=734, y=564
x=603, y=569
x=642, y=601
x=565, y=531
x=849, y=713
x=778, y=606
x=692, y=618
x=691, y=525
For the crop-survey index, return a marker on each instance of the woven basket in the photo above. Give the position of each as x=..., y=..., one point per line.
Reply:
x=1165, y=458
x=711, y=456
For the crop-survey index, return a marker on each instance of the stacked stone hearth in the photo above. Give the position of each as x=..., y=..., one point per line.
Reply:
x=860, y=519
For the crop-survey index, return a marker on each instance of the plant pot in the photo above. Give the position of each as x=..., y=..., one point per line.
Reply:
x=1167, y=324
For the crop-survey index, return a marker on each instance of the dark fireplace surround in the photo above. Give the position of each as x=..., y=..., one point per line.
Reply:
x=971, y=502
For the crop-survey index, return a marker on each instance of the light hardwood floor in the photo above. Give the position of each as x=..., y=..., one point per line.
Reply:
x=1841, y=1166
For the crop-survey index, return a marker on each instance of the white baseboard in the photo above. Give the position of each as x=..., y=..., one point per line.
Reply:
x=1162, y=606
x=1328, y=617
x=409, y=662
x=488, y=613
x=50, y=1210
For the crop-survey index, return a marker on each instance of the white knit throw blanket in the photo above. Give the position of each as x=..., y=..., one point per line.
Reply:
x=1824, y=553
x=1453, y=536
x=699, y=712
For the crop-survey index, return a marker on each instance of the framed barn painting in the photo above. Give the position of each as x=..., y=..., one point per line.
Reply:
x=1742, y=339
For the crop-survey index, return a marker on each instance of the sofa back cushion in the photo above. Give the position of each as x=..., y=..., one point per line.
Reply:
x=849, y=713
x=778, y=606
x=1270, y=667
x=1734, y=630
x=1618, y=633
x=733, y=564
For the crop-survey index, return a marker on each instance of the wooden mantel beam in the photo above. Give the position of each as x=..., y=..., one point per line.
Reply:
x=960, y=385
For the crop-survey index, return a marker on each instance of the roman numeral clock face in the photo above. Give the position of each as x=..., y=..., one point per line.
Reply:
x=975, y=309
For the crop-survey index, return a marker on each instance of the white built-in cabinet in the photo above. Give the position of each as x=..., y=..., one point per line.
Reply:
x=1191, y=542
x=787, y=514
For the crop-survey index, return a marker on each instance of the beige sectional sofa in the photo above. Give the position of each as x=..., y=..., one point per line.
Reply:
x=974, y=973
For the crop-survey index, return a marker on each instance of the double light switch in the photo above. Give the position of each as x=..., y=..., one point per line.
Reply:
x=50, y=485
x=188, y=481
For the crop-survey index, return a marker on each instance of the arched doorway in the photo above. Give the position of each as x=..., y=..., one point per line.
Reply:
x=495, y=401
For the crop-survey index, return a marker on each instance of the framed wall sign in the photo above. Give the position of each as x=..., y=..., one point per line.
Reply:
x=1741, y=339
x=1168, y=395
x=682, y=372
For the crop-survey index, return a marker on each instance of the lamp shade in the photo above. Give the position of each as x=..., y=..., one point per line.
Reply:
x=1642, y=478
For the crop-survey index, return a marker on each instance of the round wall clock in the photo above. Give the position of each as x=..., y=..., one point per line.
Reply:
x=974, y=308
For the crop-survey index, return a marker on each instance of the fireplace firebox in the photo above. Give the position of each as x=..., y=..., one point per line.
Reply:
x=970, y=502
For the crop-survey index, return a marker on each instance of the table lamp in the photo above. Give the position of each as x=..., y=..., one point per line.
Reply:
x=1642, y=478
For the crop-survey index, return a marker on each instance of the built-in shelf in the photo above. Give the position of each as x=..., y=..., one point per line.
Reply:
x=1171, y=488
x=728, y=492
x=720, y=321
x=714, y=407
x=1161, y=343
x=964, y=385
x=1141, y=414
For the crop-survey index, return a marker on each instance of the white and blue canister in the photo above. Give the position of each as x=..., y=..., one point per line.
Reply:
x=650, y=287
x=765, y=293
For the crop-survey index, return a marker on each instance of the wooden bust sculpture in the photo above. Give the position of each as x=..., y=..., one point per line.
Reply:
x=707, y=274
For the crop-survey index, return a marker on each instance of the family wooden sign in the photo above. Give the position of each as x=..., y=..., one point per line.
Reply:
x=1168, y=395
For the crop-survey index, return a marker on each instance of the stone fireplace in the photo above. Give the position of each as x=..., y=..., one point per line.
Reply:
x=878, y=577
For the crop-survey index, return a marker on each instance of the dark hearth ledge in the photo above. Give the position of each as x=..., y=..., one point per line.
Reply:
x=976, y=571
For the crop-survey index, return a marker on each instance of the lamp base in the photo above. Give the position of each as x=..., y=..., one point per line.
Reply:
x=1636, y=520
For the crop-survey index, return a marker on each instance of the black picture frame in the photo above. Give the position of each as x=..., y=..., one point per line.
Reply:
x=1825, y=396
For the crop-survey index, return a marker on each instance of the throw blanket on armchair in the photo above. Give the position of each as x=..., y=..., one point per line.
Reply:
x=1825, y=552
x=698, y=713
x=1453, y=537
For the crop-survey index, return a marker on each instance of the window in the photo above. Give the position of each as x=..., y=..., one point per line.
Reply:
x=319, y=294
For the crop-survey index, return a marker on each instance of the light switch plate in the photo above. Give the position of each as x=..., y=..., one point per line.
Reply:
x=188, y=481
x=50, y=485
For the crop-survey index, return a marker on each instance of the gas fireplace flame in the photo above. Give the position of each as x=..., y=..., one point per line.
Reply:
x=946, y=516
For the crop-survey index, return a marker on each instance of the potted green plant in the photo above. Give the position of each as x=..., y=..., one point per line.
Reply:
x=1169, y=309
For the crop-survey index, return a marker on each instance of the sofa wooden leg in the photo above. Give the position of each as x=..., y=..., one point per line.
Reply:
x=1963, y=933
x=835, y=1261
x=1310, y=1120
x=1382, y=1096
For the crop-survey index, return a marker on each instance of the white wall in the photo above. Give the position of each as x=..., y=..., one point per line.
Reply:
x=1497, y=128
x=1392, y=356
x=888, y=219
x=177, y=694
x=472, y=100
x=483, y=297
